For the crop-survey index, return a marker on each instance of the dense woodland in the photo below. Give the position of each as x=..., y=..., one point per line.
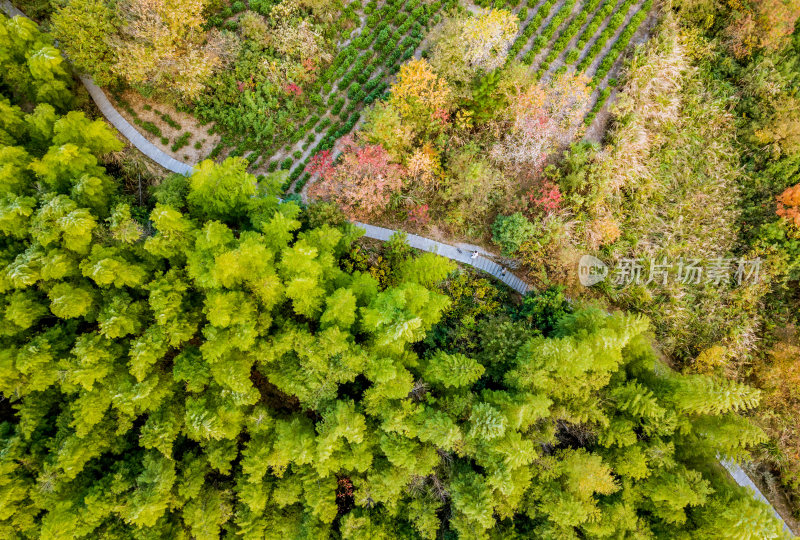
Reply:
x=223, y=355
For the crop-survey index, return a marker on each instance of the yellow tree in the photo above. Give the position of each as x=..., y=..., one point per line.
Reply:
x=466, y=44
x=161, y=44
x=421, y=96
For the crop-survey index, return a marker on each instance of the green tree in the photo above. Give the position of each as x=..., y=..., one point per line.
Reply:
x=510, y=232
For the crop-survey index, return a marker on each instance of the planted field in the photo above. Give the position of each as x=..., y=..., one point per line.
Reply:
x=280, y=127
x=585, y=36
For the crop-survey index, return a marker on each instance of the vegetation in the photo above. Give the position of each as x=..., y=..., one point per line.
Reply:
x=225, y=374
x=221, y=355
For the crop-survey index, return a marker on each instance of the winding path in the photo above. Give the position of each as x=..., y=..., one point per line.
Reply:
x=372, y=231
x=131, y=133
x=451, y=252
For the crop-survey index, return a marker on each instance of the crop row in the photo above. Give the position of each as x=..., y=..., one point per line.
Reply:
x=542, y=39
x=594, y=23
x=389, y=37
x=498, y=4
x=531, y=27
x=621, y=43
x=563, y=39
x=602, y=96
x=617, y=19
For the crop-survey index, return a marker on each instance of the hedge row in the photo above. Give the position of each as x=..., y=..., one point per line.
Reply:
x=563, y=39
x=602, y=97
x=530, y=29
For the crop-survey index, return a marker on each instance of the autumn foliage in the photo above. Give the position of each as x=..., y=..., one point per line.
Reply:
x=541, y=118
x=363, y=180
x=764, y=24
x=789, y=205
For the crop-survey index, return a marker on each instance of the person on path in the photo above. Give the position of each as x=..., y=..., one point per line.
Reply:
x=474, y=254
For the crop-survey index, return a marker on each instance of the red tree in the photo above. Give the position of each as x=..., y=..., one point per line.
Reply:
x=321, y=163
x=363, y=181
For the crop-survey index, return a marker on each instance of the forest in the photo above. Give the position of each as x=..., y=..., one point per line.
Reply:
x=225, y=354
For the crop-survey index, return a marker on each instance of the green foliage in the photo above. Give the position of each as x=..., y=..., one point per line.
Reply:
x=30, y=67
x=221, y=191
x=510, y=232
x=543, y=310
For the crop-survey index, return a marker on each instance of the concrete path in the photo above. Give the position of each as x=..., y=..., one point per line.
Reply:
x=451, y=252
x=10, y=9
x=741, y=478
x=131, y=133
x=116, y=119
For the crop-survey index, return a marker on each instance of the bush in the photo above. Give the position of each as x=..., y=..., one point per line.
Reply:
x=149, y=127
x=297, y=154
x=286, y=164
x=572, y=56
x=337, y=107
x=510, y=232
x=323, y=125
x=298, y=187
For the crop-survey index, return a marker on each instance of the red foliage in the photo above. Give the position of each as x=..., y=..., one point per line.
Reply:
x=789, y=205
x=293, y=89
x=550, y=199
x=419, y=215
x=240, y=86
x=344, y=488
x=321, y=163
x=363, y=181
x=309, y=64
x=441, y=115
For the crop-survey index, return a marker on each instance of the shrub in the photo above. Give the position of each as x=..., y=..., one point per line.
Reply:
x=286, y=164
x=509, y=232
x=601, y=99
x=298, y=187
x=572, y=56
x=323, y=125
x=297, y=154
x=312, y=122
x=338, y=106
x=149, y=127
